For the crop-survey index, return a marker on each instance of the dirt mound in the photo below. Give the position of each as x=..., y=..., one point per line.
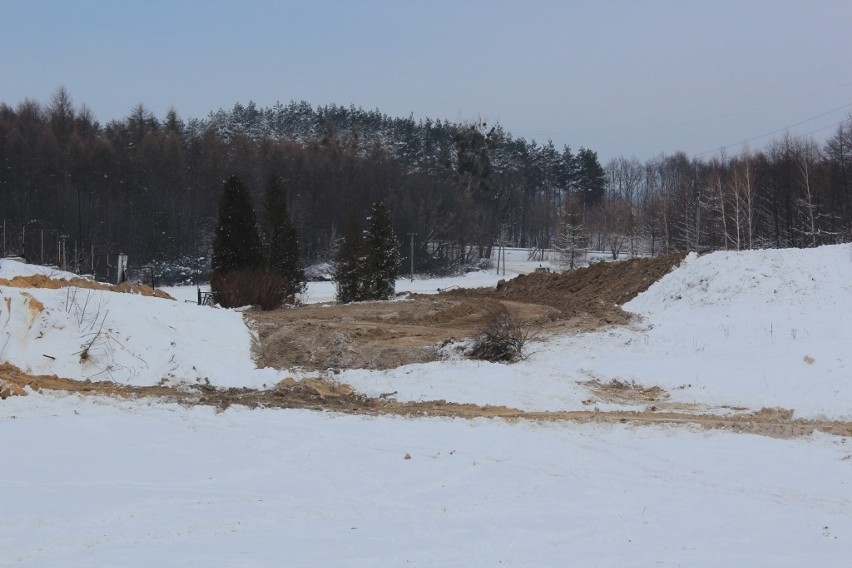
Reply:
x=595, y=291
x=128, y=288
x=42, y=281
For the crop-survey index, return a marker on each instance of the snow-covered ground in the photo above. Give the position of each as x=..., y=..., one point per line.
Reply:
x=100, y=482
x=755, y=329
x=92, y=483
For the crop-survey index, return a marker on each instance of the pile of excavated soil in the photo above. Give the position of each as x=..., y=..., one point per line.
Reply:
x=595, y=291
x=42, y=281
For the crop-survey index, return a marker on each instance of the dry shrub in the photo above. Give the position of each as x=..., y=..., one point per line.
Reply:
x=503, y=339
x=259, y=288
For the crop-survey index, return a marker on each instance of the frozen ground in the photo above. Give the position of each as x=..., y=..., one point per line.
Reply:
x=95, y=481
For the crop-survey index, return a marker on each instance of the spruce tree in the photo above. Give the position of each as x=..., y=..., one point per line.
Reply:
x=383, y=259
x=282, y=241
x=349, y=265
x=236, y=246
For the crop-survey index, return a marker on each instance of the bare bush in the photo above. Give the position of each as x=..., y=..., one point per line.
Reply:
x=265, y=290
x=503, y=339
x=90, y=320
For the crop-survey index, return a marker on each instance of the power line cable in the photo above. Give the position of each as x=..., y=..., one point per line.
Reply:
x=622, y=130
x=758, y=91
x=782, y=129
x=835, y=125
x=727, y=115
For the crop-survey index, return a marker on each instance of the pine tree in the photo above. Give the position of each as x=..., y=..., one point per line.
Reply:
x=349, y=265
x=283, y=256
x=383, y=259
x=590, y=178
x=236, y=246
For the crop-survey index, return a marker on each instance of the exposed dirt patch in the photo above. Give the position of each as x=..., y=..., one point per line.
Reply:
x=374, y=335
x=42, y=281
x=33, y=306
x=318, y=394
x=383, y=335
x=621, y=392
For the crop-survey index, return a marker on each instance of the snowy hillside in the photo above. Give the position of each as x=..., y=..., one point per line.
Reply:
x=770, y=328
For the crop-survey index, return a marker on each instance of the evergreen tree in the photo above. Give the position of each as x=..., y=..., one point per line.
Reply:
x=567, y=169
x=383, y=259
x=282, y=241
x=349, y=264
x=236, y=246
x=591, y=178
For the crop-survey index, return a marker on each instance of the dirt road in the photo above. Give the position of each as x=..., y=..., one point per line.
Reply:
x=318, y=394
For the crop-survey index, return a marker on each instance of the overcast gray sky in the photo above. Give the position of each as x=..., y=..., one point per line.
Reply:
x=620, y=77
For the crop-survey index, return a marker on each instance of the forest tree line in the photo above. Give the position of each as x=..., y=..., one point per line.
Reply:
x=150, y=187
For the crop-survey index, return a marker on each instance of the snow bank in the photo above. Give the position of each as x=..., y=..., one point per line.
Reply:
x=100, y=335
x=785, y=282
x=12, y=268
x=770, y=328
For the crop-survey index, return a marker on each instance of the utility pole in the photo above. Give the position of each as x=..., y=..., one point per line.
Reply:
x=411, y=256
x=63, y=255
x=24, y=238
x=501, y=252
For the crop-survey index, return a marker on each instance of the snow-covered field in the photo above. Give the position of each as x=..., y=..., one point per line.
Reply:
x=101, y=483
x=88, y=481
